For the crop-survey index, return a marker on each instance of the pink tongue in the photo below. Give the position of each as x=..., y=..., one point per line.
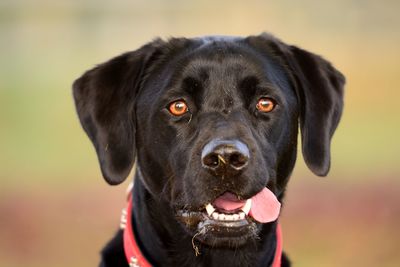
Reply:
x=228, y=202
x=265, y=207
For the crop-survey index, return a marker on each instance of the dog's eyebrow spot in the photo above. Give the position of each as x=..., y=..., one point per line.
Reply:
x=249, y=82
x=248, y=87
x=203, y=74
x=191, y=84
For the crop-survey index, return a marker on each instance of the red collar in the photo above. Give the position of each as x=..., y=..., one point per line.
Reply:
x=133, y=254
x=135, y=257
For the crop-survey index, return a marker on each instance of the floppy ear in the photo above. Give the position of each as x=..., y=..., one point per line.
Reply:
x=105, y=98
x=319, y=88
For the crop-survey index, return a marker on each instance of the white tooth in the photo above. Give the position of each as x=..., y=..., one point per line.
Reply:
x=241, y=215
x=210, y=209
x=235, y=217
x=221, y=217
x=229, y=217
x=215, y=215
x=246, y=208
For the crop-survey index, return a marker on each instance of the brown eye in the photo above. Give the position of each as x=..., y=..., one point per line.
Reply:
x=178, y=108
x=265, y=104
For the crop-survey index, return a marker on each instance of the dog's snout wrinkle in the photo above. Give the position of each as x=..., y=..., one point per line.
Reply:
x=225, y=156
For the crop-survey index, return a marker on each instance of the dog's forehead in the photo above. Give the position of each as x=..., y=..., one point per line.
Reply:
x=222, y=58
x=220, y=78
x=221, y=64
x=219, y=68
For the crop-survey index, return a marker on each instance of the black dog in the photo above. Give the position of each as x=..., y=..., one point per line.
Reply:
x=212, y=123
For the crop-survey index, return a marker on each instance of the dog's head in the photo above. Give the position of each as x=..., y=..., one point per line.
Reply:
x=212, y=122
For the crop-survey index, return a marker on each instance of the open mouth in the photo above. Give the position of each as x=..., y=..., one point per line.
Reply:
x=226, y=208
x=235, y=214
x=215, y=225
x=230, y=220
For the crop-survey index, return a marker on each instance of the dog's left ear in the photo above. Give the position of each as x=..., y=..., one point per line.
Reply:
x=104, y=98
x=319, y=88
x=320, y=91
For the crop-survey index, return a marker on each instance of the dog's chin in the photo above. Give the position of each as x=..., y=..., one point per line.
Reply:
x=218, y=233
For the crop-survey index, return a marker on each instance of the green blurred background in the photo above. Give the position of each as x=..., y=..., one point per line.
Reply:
x=55, y=209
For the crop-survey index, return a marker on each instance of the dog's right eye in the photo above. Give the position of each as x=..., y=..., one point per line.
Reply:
x=178, y=108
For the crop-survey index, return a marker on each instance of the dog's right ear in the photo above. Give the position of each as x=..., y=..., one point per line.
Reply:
x=105, y=98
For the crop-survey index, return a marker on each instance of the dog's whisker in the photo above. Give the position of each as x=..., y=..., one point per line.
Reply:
x=190, y=119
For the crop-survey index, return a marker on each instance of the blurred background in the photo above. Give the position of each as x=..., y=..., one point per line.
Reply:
x=55, y=208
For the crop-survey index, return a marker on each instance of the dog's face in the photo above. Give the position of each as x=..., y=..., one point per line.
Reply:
x=211, y=121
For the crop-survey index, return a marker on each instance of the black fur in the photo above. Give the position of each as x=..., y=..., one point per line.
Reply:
x=122, y=105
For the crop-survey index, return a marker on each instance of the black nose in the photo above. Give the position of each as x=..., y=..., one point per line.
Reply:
x=225, y=156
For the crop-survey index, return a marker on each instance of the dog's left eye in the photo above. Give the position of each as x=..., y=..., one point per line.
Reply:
x=265, y=104
x=178, y=108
